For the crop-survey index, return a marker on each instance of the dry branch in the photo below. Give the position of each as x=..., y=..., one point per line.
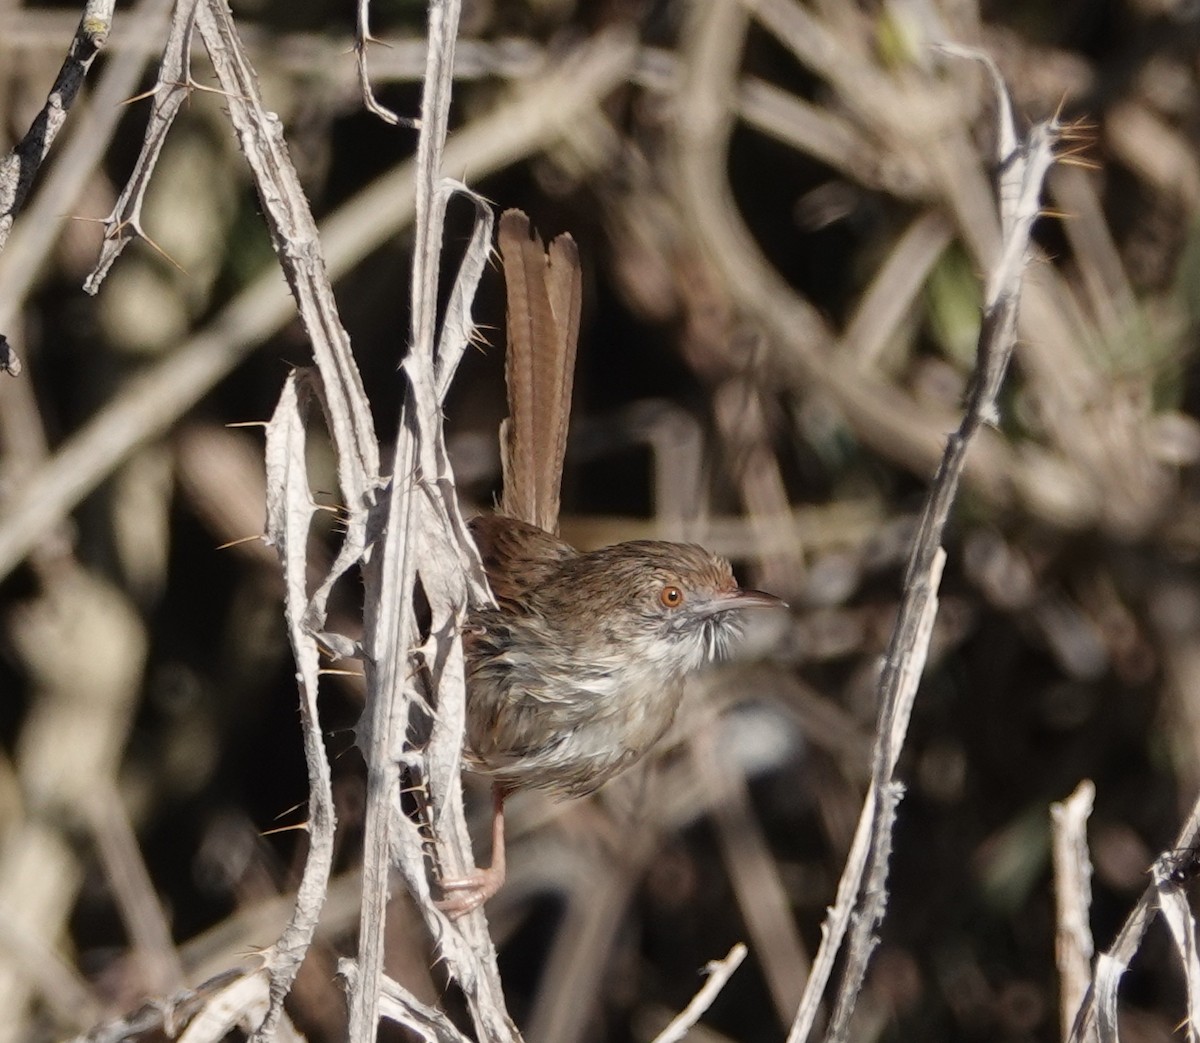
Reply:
x=362, y=40
x=719, y=972
x=171, y=89
x=1097, y=1015
x=1073, y=899
x=27, y=249
x=154, y=401
x=290, y=509
x=1023, y=166
x=416, y=694
x=21, y=165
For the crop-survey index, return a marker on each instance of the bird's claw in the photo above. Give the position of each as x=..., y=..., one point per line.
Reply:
x=465, y=894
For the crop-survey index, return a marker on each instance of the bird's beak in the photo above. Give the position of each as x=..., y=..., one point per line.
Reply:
x=738, y=599
x=744, y=598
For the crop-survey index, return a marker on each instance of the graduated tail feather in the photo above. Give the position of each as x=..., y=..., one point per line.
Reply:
x=544, y=291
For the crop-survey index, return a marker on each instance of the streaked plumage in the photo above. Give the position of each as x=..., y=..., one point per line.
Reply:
x=580, y=671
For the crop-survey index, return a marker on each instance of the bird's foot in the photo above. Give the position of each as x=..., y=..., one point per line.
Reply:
x=465, y=894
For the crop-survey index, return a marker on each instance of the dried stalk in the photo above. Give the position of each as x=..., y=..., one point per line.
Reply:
x=1097, y=1015
x=362, y=39
x=154, y=401
x=1073, y=899
x=171, y=89
x=23, y=259
x=719, y=972
x=295, y=238
x=166, y=1014
x=397, y=1004
x=21, y=165
x=1023, y=167
x=290, y=509
x=416, y=695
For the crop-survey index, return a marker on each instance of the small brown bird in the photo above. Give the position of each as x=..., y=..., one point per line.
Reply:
x=579, y=669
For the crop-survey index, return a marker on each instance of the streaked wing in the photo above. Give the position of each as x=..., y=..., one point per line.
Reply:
x=516, y=556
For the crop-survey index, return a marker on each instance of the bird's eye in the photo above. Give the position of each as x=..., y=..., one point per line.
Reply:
x=670, y=596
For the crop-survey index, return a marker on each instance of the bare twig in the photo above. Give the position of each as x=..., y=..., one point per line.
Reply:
x=1097, y=1014
x=1023, y=166
x=243, y=1002
x=21, y=165
x=166, y=1015
x=295, y=238
x=719, y=972
x=172, y=88
x=399, y=1005
x=39, y=228
x=1177, y=913
x=362, y=40
x=1073, y=899
x=289, y=515
x=154, y=401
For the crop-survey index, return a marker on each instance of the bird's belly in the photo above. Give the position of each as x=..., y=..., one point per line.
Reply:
x=571, y=745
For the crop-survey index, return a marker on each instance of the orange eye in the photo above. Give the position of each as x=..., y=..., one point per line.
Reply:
x=671, y=597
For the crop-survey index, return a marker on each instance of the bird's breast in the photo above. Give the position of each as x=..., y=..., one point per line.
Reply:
x=541, y=717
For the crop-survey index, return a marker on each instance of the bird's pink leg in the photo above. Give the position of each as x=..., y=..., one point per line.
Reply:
x=465, y=893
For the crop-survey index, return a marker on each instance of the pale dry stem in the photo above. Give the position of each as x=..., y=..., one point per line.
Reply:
x=1073, y=947
x=1097, y=1014
x=719, y=972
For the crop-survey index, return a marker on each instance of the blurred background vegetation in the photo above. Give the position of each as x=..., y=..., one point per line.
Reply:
x=784, y=213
